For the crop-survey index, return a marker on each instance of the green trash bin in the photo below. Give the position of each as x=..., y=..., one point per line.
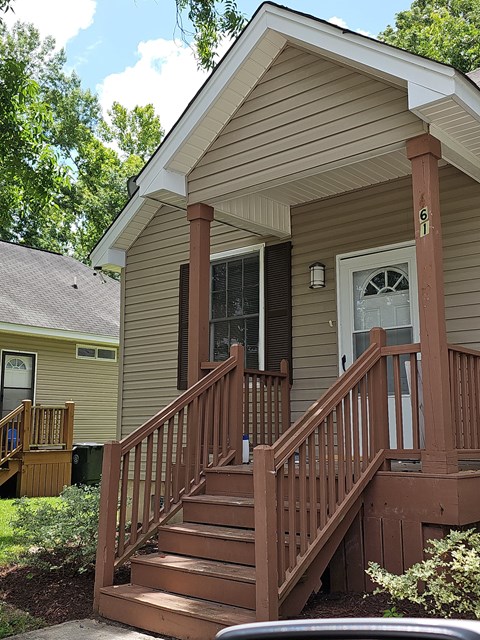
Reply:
x=87, y=462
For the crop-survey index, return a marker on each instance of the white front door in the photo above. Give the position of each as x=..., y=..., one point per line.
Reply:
x=379, y=289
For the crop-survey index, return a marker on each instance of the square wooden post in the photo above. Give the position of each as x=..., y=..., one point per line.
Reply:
x=200, y=217
x=26, y=438
x=439, y=455
x=68, y=424
x=236, y=390
x=379, y=390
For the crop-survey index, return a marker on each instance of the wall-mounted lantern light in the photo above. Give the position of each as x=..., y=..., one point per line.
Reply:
x=317, y=275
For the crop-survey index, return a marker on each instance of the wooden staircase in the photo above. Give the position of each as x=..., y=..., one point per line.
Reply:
x=203, y=577
x=9, y=469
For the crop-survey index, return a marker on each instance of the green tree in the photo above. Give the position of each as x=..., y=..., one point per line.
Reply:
x=211, y=21
x=445, y=30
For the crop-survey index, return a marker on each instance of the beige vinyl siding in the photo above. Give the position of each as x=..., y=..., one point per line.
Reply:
x=374, y=217
x=60, y=376
x=304, y=114
x=151, y=311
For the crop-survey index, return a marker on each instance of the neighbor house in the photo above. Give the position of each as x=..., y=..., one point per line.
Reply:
x=300, y=265
x=59, y=335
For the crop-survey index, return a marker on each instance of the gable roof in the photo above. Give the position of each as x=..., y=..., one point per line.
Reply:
x=37, y=295
x=438, y=95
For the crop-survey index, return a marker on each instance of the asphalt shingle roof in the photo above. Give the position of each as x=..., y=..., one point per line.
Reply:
x=36, y=289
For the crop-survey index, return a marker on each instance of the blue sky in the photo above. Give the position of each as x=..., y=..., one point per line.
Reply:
x=126, y=49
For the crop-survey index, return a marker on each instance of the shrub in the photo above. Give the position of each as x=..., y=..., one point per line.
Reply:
x=63, y=534
x=446, y=584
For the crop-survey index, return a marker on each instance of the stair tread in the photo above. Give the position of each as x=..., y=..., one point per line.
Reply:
x=238, y=572
x=212, y=531
x=220, y=499
x=246, y=469
x=193, y=607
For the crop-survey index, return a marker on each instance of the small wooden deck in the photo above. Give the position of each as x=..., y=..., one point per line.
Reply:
x=36, y=449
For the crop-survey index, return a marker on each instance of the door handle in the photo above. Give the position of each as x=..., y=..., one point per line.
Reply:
x=344, y=362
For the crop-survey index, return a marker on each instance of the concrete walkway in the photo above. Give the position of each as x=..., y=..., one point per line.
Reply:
x=83, y=630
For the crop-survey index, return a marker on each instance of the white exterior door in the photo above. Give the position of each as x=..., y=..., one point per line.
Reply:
x=379, y=289
x=18, y=378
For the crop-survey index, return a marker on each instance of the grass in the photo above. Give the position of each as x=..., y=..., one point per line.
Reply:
x=10, y=545
x=13, y=621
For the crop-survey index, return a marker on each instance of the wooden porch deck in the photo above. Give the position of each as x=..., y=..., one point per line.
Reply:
x=36, y=449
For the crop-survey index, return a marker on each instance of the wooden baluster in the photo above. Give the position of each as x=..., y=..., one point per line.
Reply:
x=268, y=380
x=332, y=491
x=323, y=474
x=266, y=554
x=355, y=435
x=107, y=526
x=178, y=457
x=148, y=484
x=159, y=473
x=414, y=400
x=453, y=394
x=285, y=392
x=340, y=454
x=348, y=444
x=68, y=423
x=207, y=428
x=303, y=506
x=263, y=434
x=276, y=408
x=477, y=403
x=397, y=389
x=216, y=423
x=365, y=431
x=473, y=402
x=255, y=411
x=292, y=513
x=312, y=478
x=122, y=519
x=466, y=402
x=168, y=465
x=198, y=412
x=246, y=406
x=281, y=525
x=236, y=402
x=225, y=399
x=379, y=393
x=136, y=493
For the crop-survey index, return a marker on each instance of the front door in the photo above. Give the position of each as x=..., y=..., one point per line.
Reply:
x=379, y=289
x=18, y=379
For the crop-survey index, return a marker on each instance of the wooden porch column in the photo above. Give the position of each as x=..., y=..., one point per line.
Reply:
x=439, y=455
x=200, y=217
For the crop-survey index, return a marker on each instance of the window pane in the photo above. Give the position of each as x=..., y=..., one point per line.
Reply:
x=250, y=300
x=86, y=352
x=251, y=343
x=237, y=331
x=250, y=272
x=220, y=340
x=235, y=280
x=219, y=307
x=234, y=303
x=107, y=354
x=219, y=277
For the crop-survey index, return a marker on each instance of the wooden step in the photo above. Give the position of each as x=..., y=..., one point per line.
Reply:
x=169, y=614
x=211, y=580
x=231, y=480
x=209, y=541
x=227, y=511
x=11, y=467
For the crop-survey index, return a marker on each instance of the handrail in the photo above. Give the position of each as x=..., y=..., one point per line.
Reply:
x=146, y=474
x=11, y=433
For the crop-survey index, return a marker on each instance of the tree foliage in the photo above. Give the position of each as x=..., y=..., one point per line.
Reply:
x=445, y=30
x=211, y=20
x=62, y=179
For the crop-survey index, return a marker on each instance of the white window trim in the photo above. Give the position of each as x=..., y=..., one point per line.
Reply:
x=242, y=251
x=96, y=348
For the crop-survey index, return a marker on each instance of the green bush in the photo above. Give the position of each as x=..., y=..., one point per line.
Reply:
x=63, y=534
x=446, y=584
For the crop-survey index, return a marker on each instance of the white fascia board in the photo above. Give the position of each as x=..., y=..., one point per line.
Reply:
x=62, y=334
x=207, y=96
x=456, y=154
x=420, y=96
x=356, y=50
x=99, y=255
x=164, y=180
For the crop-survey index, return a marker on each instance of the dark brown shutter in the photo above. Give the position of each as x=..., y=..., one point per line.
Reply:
x=278, y=306
x=182, y=369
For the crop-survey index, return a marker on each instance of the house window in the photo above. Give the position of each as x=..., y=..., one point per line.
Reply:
x=87, y=352
x=235, y=307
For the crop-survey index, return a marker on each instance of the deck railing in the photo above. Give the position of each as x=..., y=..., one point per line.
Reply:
x=464, y=367
x=312, y=476
x=146, y=474
x=32, y=427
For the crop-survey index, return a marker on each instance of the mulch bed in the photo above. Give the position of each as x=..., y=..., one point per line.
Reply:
x=59, y=596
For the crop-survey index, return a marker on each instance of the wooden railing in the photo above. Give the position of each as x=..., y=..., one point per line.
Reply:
x=146, y=474
x=28, y=427
x=266, y=404
x=464, y=367
x=307, y=482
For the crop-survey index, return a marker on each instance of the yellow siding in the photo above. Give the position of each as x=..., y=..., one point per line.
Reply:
x=304, y=114
x=151, y=311
x=91, y=384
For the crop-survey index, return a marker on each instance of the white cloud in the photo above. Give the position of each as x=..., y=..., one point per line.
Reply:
x=58, y=18
x=340, y=22
x=165, y=75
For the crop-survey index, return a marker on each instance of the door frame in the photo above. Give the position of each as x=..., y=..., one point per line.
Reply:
x=3, y=353
x=401, y=252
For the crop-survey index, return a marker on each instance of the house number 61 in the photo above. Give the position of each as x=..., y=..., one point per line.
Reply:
x=424, y=222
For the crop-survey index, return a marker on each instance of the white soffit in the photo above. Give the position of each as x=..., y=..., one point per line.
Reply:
x=256, y=214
